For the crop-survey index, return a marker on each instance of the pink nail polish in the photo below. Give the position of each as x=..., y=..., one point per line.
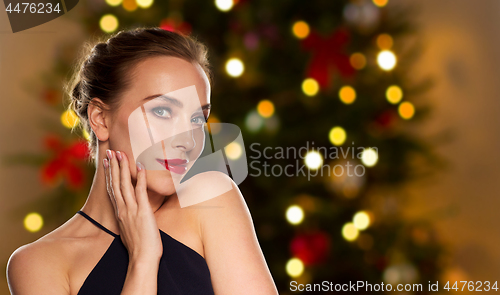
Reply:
x=105, y=163
x=139, y=166
x=118, y=155
x=110, y=154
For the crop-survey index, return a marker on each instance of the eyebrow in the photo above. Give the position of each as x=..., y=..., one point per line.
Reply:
x=174, y=101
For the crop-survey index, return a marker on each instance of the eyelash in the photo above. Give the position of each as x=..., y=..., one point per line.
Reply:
x=154, y=110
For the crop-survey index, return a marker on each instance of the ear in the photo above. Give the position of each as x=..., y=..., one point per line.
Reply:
x=97, y=119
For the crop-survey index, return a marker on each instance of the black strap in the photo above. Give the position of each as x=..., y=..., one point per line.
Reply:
x=97, y=224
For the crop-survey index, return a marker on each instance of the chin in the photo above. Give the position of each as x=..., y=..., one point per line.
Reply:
x=160, y=182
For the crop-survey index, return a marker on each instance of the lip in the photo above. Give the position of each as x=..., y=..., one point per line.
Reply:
x=174, y=165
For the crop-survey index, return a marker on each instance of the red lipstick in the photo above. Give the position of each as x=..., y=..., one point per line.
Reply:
x=174, y=165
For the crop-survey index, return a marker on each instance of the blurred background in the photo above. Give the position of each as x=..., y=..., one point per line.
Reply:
x=416, y=79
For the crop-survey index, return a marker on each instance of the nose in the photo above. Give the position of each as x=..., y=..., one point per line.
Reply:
x=184, y=140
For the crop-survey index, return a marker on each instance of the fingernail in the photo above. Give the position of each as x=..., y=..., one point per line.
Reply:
x=119, y=155
x=139, y=166
x=110, y=154
x=105, y=163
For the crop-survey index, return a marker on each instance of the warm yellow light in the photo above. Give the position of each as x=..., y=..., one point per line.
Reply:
x=380, y=3
x=108, y=23
x=347, y=94
x=406, y=110
x=300, y=29
x=310, y=87
x=234, y=67
x=386, y=60
x=224, y=5
x=114, y=2
x=129, y=5
x=212, y=123
x=350, y=232
x=33, y=222
x=144, y=3
x=357, y=60
x=294, y=214
x=384, y=41
x=233, y=151
x=369, y=157
x=394, y=94
x=86, y=135
x=313, y=160
x=361, y=220
x=265, y=108
x=69, y=119
x=294, y=267
x=337, y=135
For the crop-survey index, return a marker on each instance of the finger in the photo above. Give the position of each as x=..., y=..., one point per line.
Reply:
x=105, y=163
x=114, y=179
x=126, y=186
x=141, y=188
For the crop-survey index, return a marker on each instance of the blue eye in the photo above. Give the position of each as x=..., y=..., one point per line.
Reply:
x=162, y=112
x=198, y=120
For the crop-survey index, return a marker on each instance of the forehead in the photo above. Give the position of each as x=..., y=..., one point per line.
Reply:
x=164, y=74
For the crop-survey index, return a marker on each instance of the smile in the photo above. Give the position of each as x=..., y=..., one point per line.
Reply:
x=178, y=166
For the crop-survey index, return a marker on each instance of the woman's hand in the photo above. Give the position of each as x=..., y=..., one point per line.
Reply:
x=138, y=228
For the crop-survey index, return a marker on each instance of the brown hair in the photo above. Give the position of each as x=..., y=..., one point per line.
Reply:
x=102, y=69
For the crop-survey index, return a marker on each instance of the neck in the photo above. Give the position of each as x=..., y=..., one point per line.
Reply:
x=99, y=204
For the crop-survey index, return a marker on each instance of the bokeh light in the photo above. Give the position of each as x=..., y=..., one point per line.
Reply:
x=108, y=23
x=33, y=222
x=337, y=135
x=294, y=214
x=213, y=124
x=350, y=232
x=254, y=121
x=310, y=87
x=313, y=160
x=265, y=108
x=361, y=220
x=300, y=29
x=234, y=67
x=380, y=3
x=357, y=60
x=144, y=3
x=406, y=110
x=69, y=119
x=386, y=60
x=369, y=157
x=394, y=94
x=224, y=5
x=384, y=41
x=233, y=150
x=114, y=2
x=86, y=135
x=129, y=5
x=347, y=94
x=294, y=267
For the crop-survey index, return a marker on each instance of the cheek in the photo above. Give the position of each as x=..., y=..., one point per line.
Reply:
x=160, y=182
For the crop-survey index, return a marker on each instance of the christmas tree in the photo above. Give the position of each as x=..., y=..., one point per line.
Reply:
x=323, y=94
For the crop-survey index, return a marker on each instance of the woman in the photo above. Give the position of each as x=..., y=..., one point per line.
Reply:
x=132, y=236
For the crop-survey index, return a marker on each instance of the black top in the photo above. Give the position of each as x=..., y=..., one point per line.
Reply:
x=181, y=271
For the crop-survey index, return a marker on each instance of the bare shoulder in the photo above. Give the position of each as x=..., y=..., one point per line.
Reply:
x=232, y=250
x=38, y=267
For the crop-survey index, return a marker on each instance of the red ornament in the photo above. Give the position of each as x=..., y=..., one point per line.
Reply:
x=66, y=162
x=327, y=54
x=311, y=248
x=172, y=25
x=387, y=119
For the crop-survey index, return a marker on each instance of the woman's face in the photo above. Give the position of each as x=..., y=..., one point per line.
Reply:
x=160, y=120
